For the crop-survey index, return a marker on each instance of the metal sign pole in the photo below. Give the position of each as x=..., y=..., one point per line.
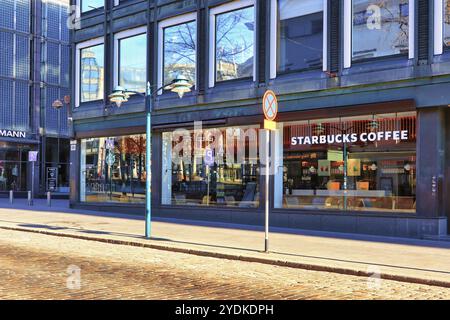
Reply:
x=270, y=110
x=267, y=210
x=32, y=183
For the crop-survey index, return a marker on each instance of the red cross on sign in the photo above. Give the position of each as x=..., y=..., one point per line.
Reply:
x=270, y=105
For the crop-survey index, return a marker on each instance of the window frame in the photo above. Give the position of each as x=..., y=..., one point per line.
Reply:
x=129, y=33
x=80, y=46
x=213, y=12
x=167, y=23
x=348, y=34
x=274, y=18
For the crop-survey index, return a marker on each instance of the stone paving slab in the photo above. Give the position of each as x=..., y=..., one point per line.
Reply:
x=420, y=261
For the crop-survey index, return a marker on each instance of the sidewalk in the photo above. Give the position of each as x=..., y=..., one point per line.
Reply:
x=420, y=261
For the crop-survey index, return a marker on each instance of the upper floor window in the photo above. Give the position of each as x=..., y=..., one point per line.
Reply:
x=300, y=35
x=380, y=28
x=131, y=59
x=92, y=73
x=88, y=5
x=233, y=31
x=178, y=48
x=89, y=71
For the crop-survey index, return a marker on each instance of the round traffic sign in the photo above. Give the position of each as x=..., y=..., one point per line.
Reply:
x=270, y=105
x=110, y=159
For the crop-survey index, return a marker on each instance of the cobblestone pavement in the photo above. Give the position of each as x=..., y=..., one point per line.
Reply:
x=34, y=266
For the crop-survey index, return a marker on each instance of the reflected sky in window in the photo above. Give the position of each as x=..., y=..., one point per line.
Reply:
x=133, y=63
x=87, y=5
x=234, y=44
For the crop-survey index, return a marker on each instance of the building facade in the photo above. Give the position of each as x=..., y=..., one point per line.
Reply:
x=34, y=72
x=361, y=145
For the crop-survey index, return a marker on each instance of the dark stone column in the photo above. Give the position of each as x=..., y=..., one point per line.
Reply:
x=446, y=184
x=75, y=173
x=430, y=161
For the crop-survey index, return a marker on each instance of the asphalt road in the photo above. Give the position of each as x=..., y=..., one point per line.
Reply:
x=34, y=266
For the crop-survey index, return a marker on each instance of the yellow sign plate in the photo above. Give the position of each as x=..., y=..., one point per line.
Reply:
x=270, y=125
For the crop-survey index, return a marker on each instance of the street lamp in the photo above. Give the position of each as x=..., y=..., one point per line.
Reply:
x=120, y=95
x=57, y=105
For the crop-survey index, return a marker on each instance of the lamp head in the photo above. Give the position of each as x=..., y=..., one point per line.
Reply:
x=57, y=104
x=118, y=96
x=180, y=85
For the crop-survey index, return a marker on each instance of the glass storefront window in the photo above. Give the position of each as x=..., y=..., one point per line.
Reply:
x=13, y=167
x=113, y=169
x=235, y=44
x=92, y=73
x=300, y=35
x=180, y=51
x=364, y=163
x=132, y=66
x=380, y=28
x=211, y=167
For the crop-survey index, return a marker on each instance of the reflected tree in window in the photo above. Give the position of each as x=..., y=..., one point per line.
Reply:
x=234, y=44
x=180, y=51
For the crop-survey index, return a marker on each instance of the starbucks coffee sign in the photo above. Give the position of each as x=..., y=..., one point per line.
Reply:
x=12, y=134
x=351, y=138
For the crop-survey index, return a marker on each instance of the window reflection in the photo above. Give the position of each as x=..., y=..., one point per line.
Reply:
x=180, y=51
x=92, y=73
x=113, y=169
x=234, y=44
x=133, y=63
x=88, y=5
x=380, y=28
x=300, y=35
x=229, y=178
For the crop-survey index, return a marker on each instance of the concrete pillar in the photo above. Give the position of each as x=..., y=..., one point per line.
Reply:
x=74, y=172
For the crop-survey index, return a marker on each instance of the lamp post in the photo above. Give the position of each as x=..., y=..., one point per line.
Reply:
x=180, y=85
x=57, y=105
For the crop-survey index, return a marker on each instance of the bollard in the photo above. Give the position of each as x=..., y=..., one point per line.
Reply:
x=30, y=199
x=11, y=196
x=49, y=199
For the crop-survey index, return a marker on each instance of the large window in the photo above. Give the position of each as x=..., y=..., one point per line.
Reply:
x=300, y=35
x=132, y=72
x=380, y=28
x=88, y=5
x=113, y=169
x=234, y=44
x=212, y=167
x=361, y=163
x=92, y=69
x=179, y=55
